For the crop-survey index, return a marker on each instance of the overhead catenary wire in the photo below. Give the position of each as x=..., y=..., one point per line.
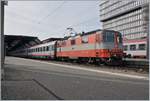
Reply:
x=49, y=14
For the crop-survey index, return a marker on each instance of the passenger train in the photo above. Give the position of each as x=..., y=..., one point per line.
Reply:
x=100, y=46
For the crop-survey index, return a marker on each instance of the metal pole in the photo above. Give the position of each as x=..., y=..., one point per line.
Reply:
x=2, y=55
x=2, y=39
x=148, y=29
x=148, y=22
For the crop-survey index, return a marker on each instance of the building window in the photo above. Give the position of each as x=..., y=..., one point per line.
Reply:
x=132, y=47
x=142, y=46
x=125, y=48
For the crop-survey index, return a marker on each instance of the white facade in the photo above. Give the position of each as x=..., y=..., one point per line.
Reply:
x=128, y=17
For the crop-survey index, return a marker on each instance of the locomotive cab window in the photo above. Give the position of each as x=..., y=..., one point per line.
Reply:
x=108, y=36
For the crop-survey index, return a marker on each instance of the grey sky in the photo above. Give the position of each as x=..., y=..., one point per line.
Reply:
x=46, y=19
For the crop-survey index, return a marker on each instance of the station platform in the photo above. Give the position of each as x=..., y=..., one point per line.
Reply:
x=16, y=86
x=27, y=79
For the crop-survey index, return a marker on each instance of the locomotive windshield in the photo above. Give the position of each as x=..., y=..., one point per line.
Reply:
x=108, y=36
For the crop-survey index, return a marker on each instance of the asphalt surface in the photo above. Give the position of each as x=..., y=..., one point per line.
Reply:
x=27, y=79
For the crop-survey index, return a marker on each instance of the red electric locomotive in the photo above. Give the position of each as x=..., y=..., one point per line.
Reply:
x=100, y=46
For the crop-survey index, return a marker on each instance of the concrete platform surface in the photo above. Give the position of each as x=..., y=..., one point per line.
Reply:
x=33, y=80
x=26, y=89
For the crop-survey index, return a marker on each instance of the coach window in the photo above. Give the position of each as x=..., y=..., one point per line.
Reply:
x=84, y=39
x=132, y=47
x=40, y=49
x=47, y=48
x=142, y=46
x=52, y=47
x=73, y=42
x=43, y=48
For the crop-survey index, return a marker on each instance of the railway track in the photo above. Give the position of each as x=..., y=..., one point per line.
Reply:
x=140, y=67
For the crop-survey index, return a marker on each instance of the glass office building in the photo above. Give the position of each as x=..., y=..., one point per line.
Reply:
x=131, y=19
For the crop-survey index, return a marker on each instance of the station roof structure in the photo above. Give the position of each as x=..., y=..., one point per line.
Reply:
x=14, y=42
x=50, y=39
